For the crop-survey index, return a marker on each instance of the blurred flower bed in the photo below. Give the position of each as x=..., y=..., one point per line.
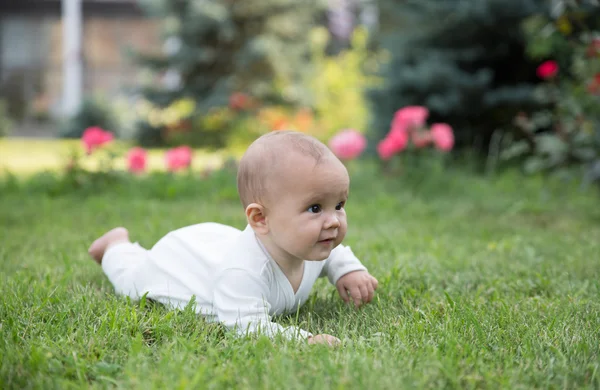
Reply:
x=337, y=89
x=121, y=139
x=135, y=137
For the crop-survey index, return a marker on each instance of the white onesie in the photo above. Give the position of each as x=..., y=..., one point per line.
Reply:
x=233, y=279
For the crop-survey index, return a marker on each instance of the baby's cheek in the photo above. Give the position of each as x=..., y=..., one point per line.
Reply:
x=342, y=232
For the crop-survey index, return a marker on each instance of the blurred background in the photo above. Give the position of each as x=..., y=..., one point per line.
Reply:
x=518, y=81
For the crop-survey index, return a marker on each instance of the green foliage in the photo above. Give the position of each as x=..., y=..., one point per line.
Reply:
x=181, y=124
x=222, y=48
x=5, y=122
x=94, y=111
x=566, y=133
x=216, y=49
x=339, y=82
x=483, y=284
x=149, y=136
x=336, y=88
x=464, y=60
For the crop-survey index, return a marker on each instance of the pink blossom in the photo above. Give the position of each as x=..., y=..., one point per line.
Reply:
x=443, y=136
x=547, y=70
x=94, y=137
x=398, y=138
x=421, y=139
x=178, y=158
x=410, y=117
x=348, y=144
x=395, y=142
x=137, y=159
x=385, y=149
x=399, y=127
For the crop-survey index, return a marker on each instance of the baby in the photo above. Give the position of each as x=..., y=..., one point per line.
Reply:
x=294, y=191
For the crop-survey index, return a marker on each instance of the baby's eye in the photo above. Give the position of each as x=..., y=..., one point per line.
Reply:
x=315, y=208
x=340, y=205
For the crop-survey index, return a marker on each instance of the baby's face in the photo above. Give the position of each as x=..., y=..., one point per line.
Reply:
x=307, y=218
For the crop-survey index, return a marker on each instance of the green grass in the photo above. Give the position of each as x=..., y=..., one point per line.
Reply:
x=483, y=284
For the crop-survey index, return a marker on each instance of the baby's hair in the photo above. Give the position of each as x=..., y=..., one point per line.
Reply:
x=264, y=155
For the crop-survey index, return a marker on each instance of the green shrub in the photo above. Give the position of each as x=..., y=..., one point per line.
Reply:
x=339, y=83
x=337, y=93
x=565, y=134
x=462, y=59
x=93, y=112
x=180, y=123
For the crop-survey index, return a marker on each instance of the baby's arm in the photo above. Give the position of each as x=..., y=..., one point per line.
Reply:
x=349, y=275
x=241, y=305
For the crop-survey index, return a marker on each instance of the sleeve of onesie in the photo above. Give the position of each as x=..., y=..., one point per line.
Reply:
x=240, y=302
x=340, y=262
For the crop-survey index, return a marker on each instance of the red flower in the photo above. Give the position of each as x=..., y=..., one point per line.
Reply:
x=410, y=116
x=94, y=137
x=385, y=149
x=547, y=70
x=239, y=101
x=442, y=135
x=348, y=144
x=178, y=158
x=137, y=159
x=395, y=142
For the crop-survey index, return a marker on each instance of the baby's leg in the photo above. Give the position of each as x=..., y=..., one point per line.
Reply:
x=112, y=237
x=123, y=262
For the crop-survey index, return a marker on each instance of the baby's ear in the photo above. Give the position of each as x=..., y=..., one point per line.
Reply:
x=255, y=215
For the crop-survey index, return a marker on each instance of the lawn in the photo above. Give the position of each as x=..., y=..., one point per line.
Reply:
x=483, y=284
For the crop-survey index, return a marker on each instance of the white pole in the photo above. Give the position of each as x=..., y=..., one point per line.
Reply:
x=72, y=66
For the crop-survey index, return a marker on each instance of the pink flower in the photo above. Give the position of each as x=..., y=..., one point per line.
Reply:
x=385, y=149
x=348, y=144
x=399, y=127
x=178, y=158
x=410, y=116
x=136, y=160
x=547, y=70
x=398, y=139
x=421, y=139
x=94, y=137
x=395, y=142
x=442, y=136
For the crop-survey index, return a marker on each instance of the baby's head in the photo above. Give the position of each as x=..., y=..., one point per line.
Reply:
x=294, y=189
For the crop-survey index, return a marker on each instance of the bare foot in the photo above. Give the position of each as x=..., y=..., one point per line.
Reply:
x=109, y=238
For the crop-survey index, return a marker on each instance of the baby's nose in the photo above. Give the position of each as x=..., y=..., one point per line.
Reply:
x=332, y=222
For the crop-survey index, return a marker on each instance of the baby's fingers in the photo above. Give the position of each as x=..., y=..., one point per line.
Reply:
x=374, y=283
x=343, y=293
x=364, y=293
x=356, y=296
x=371, y=292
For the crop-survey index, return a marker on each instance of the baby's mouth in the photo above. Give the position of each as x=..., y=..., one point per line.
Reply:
x=327, y=241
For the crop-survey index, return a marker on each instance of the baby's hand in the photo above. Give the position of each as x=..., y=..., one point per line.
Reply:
x=361, y=286
x=324, y=339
